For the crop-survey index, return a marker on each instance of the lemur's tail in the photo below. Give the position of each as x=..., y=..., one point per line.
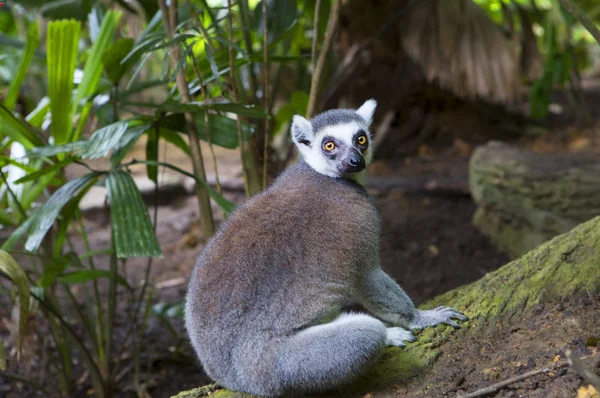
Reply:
x=325, y=356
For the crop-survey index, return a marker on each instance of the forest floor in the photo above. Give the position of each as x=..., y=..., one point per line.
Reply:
x=429, y=246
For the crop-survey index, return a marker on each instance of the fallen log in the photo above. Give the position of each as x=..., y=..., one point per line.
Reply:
x=522, y=317
x=526, y=198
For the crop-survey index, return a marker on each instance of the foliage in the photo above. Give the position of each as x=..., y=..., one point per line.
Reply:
x=105, y=86
x=563, y=45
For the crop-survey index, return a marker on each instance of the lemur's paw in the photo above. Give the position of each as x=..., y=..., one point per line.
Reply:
x=436, y=316
x=398, y=337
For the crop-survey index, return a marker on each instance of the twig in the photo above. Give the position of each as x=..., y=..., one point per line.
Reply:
x=245, y=20
x=234, y=97
x=495, y=387
x=313, y=56
x=383, y=129
x=200, y=25
x=206, y=216
x=266, y=88
x=16, y=377
x=328, y=39
x=582, y=18
x=582, y=369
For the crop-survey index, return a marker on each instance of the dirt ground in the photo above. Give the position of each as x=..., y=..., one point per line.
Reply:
x=428, y=244
x=529, y=344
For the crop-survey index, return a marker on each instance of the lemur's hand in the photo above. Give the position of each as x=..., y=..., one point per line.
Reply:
x=425, y=318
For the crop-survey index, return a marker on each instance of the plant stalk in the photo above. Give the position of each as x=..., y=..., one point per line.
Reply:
x=318, y=71
x=245, y=17
x=199, y=24
x=247, y=149
x=582, y=18
x=207, y=223
x=266, y=90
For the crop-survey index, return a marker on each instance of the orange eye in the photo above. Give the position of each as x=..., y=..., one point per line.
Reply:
x=362, y=140
x=329, y=146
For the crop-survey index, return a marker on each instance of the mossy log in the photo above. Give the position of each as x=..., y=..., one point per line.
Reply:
x=556, y=271
x=526, y=198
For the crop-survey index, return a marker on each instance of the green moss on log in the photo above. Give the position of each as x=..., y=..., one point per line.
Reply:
x=558, y=269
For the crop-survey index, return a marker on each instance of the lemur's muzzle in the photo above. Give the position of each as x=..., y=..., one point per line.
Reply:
x=354, y=162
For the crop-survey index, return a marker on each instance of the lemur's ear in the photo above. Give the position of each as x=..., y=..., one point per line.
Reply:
x=367, y=110
x=302, y=132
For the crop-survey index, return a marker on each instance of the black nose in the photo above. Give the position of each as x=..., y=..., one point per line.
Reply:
x=355, y=163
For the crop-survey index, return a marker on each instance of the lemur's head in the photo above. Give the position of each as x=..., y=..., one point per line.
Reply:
x=337, y=142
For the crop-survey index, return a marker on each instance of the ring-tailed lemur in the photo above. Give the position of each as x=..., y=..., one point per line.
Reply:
x=264, y=300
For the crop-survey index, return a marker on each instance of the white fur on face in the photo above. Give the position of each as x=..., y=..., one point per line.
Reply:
x=314, y=156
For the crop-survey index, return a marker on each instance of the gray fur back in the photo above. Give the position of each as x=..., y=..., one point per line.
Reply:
x=286, y=260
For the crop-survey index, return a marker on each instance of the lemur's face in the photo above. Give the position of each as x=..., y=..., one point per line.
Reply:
x=341, y=144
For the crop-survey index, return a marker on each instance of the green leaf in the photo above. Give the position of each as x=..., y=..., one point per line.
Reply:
x=132, y=230
x=174, y=138
x=40, y=173
x=7, y=160
x=10, y=267
x=284, y=116
x=93, y=65
x=156, y=41
x=44, y=219
x=281, y=15
x=6, y=219
x=19, y=233
x=223, y=203
x=116, y=52
x=69, y=212
x=300, y=102
x=37, y=116
x=52, y=271
x=19, y=130
x=145, y=45
x=100, y=143
x=127, y=142
x=83, y=276
x=213, y=66
x=104, y=140
x=33, y=40
x=61, y=58
x=53, y=150
x=223, y=130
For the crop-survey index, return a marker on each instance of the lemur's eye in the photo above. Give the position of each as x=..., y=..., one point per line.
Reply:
x=362, y=139
x=329, y=146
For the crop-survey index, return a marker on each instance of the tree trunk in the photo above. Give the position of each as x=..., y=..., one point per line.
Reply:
x=526, y=198
x=521, y=317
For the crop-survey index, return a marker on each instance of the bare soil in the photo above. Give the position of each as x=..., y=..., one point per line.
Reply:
x=530, y=343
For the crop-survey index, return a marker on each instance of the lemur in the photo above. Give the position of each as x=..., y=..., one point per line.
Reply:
x=264, y=304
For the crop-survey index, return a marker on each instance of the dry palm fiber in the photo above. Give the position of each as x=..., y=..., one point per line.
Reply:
x=460, y=48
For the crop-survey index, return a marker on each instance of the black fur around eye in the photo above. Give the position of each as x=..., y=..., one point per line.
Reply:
x=361, y=139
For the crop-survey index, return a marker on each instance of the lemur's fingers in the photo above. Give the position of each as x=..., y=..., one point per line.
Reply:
x=451, y=323
x=398, y=337
x=425, y=318
x=452, y=313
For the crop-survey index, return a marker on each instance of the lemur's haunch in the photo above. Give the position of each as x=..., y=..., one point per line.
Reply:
x=263, y=308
